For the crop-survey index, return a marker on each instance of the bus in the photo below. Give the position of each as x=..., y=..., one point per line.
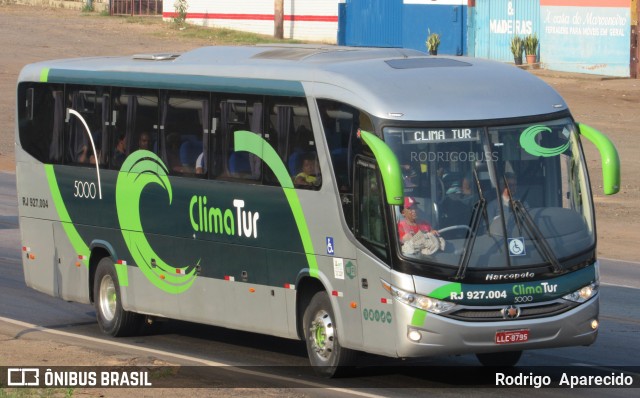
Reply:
x=359, y=199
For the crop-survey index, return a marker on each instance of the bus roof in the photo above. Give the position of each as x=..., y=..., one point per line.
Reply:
x=390, y=83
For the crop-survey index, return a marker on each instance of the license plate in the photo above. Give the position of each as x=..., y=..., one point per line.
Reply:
x=512, y=336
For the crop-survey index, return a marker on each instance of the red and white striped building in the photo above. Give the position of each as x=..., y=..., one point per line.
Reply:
x=315, y=20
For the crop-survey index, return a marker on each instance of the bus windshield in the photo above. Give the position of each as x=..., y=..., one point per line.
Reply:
x=492, y=197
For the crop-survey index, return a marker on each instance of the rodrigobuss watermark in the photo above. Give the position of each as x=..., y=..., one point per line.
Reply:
x=454, y=156
x=31, y=377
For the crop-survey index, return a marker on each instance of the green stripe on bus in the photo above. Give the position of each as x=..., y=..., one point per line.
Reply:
x=418, y=318
x=444, y=292
x=123, y=277
x=74, y=237
x=44, y=75
x=389, y=167
x=609, y=157
x=175, y=81
x=253, y=143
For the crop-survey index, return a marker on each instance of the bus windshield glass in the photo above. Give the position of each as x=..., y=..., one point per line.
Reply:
x=485, y=197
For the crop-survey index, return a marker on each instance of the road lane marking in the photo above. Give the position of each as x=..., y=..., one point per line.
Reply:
x=206, y=362
x=618, y=285
x=619, y=261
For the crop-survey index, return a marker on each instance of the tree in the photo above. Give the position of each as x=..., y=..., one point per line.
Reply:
x=278, y=19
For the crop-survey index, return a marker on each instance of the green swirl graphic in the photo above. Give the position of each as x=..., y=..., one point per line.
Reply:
x=140, y=169
x=528, y=142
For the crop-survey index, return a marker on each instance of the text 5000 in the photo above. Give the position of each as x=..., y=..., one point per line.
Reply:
x=85, y=189
x=478, y=295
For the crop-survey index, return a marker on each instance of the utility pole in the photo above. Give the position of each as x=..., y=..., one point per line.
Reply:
x=278, y=19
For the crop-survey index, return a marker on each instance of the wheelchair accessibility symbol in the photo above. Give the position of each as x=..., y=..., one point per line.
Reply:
x=330, y=249
x=516, y=247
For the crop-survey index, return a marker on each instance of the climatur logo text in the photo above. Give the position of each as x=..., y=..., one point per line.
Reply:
x=215, y=220
x=528, y=142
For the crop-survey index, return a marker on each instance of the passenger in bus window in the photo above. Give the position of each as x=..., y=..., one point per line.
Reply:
x=493, y=208
x=200, y=164
x=144, y=141
x=417, y=236
x=308, y=176
x=121, y=151
x=409, y=178
x=410, y=225
x=86, y=154
x=463, y=192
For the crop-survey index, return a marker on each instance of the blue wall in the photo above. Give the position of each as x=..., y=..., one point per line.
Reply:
x=495, y=22
x=360, y=24
x=450, y=21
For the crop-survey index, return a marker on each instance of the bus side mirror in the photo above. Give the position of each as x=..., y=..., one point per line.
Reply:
x=389, y=167
x=608, y=156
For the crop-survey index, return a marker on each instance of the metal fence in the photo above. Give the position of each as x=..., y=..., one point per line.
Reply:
x=135, y=7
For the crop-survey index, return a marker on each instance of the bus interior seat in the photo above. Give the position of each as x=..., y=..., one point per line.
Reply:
x=295, y=161
x=190, y=149
x=240, y=165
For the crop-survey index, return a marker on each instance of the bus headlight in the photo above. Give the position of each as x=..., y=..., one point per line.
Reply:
x=419, y=301
x=583, y=294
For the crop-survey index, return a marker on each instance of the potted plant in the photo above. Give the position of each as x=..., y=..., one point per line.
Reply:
x=433, y=41
x=517, y=47
x=531, y=48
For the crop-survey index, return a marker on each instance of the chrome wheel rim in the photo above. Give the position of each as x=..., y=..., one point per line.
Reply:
x=107, y=299
x=321, y=334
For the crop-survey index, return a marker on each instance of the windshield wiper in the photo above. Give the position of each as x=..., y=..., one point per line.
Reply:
x=479, y=212
x=524, y=221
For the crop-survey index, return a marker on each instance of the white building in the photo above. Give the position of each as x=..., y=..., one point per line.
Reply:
x=315, y=20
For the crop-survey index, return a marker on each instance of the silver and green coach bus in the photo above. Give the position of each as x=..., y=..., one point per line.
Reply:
x=363, y=200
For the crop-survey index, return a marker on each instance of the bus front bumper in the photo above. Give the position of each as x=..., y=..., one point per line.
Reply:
x=439, y=335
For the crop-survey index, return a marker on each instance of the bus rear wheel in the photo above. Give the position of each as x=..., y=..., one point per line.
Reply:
x=500, y=359
x=327, y=356
x=112, y=318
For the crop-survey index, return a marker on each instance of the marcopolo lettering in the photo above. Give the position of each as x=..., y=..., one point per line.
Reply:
x=512, y=276
x=216, y=220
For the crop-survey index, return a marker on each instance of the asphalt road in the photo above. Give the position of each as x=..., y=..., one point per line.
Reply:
x=258, y=357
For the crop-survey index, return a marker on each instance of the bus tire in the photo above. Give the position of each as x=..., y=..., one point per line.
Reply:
x=500, y=359
x=112, y=318
x=328, y=358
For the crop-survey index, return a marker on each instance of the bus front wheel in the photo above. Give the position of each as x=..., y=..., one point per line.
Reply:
x=500, y=359
x=112, y=318
x=328, y=358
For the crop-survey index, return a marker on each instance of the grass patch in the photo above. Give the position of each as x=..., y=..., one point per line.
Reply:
x=226, y=36
x=211, y=35
x=35, y=392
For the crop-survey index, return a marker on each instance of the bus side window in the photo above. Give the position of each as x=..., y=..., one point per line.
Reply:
x=240, y=115
x=137, y=118
x=185, y=117
x=340, y=123
x=85, y=109
x=369, y=225
x=41, y=120
x=290, y=134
